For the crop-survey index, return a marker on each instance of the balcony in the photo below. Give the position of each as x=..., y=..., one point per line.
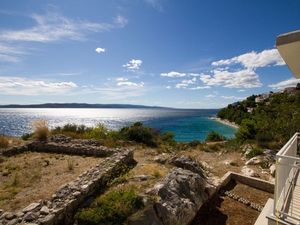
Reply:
x=285, y=209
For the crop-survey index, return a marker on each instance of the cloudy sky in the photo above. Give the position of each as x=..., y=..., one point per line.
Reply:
x=186, y=54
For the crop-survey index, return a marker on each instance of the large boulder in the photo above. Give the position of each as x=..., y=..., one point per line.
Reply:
x=182, y=193
x=188, y=163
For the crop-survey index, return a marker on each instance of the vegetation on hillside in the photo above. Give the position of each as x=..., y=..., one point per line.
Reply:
x=215, y=136
x=112, y=208
x=269, y=123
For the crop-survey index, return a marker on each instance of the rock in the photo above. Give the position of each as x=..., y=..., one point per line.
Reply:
x=182, y=194
x=13, y=222
x=273, y=170
x=9, y=215
x=188, y=164
x=31, y=207
x=142, y=177
x=1, y=211
x=146, y=217
x=30, y=216
x=20, y=214
x=162, y=158
x=257, y=160
x=44, y=210
x=5, y=173
x=249, y=172
x=247, y=149
x=47, y=220
x=155, y=189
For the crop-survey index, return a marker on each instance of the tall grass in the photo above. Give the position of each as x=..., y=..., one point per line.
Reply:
x=41, y=130
x=4, y=142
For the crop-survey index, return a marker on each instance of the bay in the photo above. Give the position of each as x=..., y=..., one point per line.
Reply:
x=186, y=124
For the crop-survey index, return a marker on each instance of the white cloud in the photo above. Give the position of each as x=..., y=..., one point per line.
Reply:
x=245, y=78
x=232, y=97
x=121, y=21
x=133, y=65
x=200, y=88
x=173, y=74
x=186, y=83
x=156, y=4
x=130, y=84
x=100, y=50
x=210, y=96
x=168, y=87
x=284, y=84
x=254, y=59
x=26, y=86
x=241, y=90
x=9, y=53
x=53, y=27
x=121, y=79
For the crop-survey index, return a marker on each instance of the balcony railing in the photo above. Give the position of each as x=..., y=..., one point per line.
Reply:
x=287, y=183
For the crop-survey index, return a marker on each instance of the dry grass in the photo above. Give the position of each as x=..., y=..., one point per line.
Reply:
x=41, y=130
x=29, y=177
x=4, y=142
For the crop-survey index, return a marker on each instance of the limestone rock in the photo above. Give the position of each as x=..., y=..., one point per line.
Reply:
x=146, y=217
x=9, y=215
x=31, y=207
x=273, y=170
x=182, y=194
x=30, y=216
x=44, y=210
x=162, y=158
x=249, y=172
x=188, y=164
x=257, y=160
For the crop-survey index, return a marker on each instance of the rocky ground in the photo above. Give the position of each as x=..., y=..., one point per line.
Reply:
x=31, y=176
x=174, y=185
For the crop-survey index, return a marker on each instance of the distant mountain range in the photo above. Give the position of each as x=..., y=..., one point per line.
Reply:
x=82, y=105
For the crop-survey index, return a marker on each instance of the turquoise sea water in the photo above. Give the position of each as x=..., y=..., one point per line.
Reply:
x=188, y=125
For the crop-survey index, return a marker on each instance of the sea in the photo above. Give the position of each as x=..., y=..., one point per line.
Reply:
x=186, y=124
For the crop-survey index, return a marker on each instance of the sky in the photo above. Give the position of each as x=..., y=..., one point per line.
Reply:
x=174, y=53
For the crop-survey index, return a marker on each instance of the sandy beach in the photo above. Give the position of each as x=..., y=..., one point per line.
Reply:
x=226, y=122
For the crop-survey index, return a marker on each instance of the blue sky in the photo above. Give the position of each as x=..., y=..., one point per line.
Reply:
x=186, y=54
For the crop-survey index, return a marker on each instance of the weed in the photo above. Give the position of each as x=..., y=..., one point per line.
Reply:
x=70, y=164
x=111, y=208
x=41, y=130
x=4, y=141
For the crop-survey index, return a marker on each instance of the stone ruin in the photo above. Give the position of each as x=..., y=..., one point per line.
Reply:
x=61, y=207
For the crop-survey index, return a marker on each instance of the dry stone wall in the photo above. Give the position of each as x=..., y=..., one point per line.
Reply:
x=64, y=203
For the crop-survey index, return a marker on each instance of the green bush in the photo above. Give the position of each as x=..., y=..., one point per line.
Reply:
x=26, y=136
x=214, y=136
x=254, y=152
x=112, y=208
x=140, y=134
x=247, y=130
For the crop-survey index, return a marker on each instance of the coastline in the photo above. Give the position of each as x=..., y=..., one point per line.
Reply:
x=226, y=122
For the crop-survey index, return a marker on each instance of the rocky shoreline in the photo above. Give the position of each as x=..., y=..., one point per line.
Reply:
x=226, y=122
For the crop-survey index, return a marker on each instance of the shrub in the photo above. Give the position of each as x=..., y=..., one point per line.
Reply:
x=214, y=136
x=140, y=134
x=254, y=152
x=112, y=208
x=98, y=132
x=41, y=130
x=4, y=142
x=168, y=138
x=26, y=136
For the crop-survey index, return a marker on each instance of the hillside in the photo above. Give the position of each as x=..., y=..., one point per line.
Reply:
x=269, y=119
